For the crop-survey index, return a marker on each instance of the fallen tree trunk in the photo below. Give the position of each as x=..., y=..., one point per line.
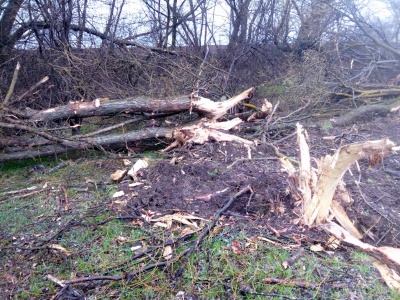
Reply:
x=108, y=141
x=198, y=133
x=361, y=113
x=99, y=107
x=29, y=120
x=134, y=105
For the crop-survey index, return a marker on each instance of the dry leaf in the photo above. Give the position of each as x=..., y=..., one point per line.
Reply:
x=59, y=248
x=118, y=194
x=285, y=265
x=167, y=253
x=117, y=175
x=126, y=162
x=121, y=239
x=120, y=202
x=135, y=184
x=317, y=248
x=236, y=247
x=186, y=231
x=10, y=278
x=140, y=164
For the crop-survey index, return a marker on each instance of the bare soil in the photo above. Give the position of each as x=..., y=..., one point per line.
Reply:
x=201, y=179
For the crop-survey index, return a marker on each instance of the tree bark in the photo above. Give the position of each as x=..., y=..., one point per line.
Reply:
x=135, y=105
x=7, y=20
x=361, y=113
x=48, y=143
x=107, y=108
x=109, y=141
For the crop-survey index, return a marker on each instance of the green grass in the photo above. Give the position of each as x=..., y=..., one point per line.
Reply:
x=326, y=126
x=265, y=91
x=214, y=271
x=217, y=272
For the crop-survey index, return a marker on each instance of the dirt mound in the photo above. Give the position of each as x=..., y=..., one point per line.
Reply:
x=203, y=178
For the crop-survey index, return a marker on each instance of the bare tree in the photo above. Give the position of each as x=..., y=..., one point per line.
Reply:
x=194, y=30
x=113, y=20
x=57, y=18
x=300, y=25
x=82, y=12
x=394, y=25
x=8, y=37
x=239, y=16
x=169, y=17
x=352, y=11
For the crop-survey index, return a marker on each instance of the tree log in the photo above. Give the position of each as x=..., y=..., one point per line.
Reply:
x=135, y=105
x=108, y=141
x=361, y=113
x=55, y=144
x=99, y=107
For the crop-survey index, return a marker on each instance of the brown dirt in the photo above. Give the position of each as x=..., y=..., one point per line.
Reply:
x=204, y=177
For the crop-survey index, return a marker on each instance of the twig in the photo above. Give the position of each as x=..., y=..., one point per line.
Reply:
x=373, y=208
x=302, y=284
x=14, y=125
x=250, y=159
x=248, y=202
x=58, y=167
x=25, y=195
x=43, y=80
x=207, y=229
x=270, y=117
x=21, y=190
x=292, y=113
x=276, y=150
x=277, y=232
x=64, y=287
x=392, y=172
x=118, y=218
x=12, y=85
x=201, y=68
x=285, y=138
x=289, y=262
x=128, y=277
x=70, y=223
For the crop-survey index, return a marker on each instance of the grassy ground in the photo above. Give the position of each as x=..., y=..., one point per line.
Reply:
x=231, y=262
